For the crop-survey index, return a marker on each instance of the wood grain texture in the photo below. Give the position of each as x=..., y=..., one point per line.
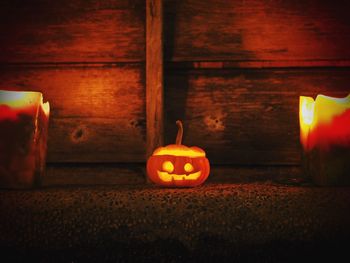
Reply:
x=256, y=64
x=93, y=174
x=283, y=174
x=257, y=30
x=154, y=74
x=245, y=31
x=97, y=112
x=134, y=174
x=245, y=116
x=72, y=30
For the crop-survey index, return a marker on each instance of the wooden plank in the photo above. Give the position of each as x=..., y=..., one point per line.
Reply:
x=134, y=174
x=97, y=112
x=248, y=32
x=256, y=64
x=96, y=140
x=245, y=116
x=154, y=74
x=93, y=174
x=284, y=174
x=72, y=31
x=257, y=30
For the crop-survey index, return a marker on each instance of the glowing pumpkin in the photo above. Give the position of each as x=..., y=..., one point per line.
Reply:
x=178, y=165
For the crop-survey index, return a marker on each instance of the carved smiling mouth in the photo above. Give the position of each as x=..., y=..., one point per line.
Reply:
x=167, y=177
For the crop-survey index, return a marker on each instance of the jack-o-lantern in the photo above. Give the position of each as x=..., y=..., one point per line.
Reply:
x=178, y=165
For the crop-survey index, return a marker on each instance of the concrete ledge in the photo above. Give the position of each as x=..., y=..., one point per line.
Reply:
x=228, y=221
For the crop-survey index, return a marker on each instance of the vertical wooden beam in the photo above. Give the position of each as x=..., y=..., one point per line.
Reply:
x=154, y=74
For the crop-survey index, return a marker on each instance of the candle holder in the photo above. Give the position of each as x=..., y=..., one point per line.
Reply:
x=23, y=138
x=325, y=137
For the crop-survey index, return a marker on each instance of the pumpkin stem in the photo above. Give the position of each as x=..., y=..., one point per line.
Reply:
x=180, y=132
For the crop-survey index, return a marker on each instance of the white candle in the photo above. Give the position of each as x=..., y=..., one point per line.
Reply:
x=23, y=138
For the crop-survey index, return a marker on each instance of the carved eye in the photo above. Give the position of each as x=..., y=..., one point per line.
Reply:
x=168, y=167
x=188, y=167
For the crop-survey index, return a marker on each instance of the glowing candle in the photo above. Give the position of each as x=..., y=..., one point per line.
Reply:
x=23, y=138
x=324, y=122
x=325, y=137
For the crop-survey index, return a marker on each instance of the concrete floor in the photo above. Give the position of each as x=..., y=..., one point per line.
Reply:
x=247, y=222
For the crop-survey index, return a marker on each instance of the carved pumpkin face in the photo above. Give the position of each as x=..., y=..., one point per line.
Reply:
x=178, y=165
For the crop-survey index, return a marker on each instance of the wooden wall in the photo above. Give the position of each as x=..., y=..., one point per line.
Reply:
x=233, y=73
x=87, y=57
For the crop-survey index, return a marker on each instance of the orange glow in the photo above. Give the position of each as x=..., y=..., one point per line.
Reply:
x=18, y=99
x=307, y=106
x=179, y=150
x=168, y=166
x=166, y=177
x=14, y=102
x=46, y=108
x=177, y=165
x=188, y=167
x=306, y=117
x=324, y=122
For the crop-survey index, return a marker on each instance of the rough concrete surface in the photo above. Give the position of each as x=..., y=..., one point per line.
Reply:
x=246, y=222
